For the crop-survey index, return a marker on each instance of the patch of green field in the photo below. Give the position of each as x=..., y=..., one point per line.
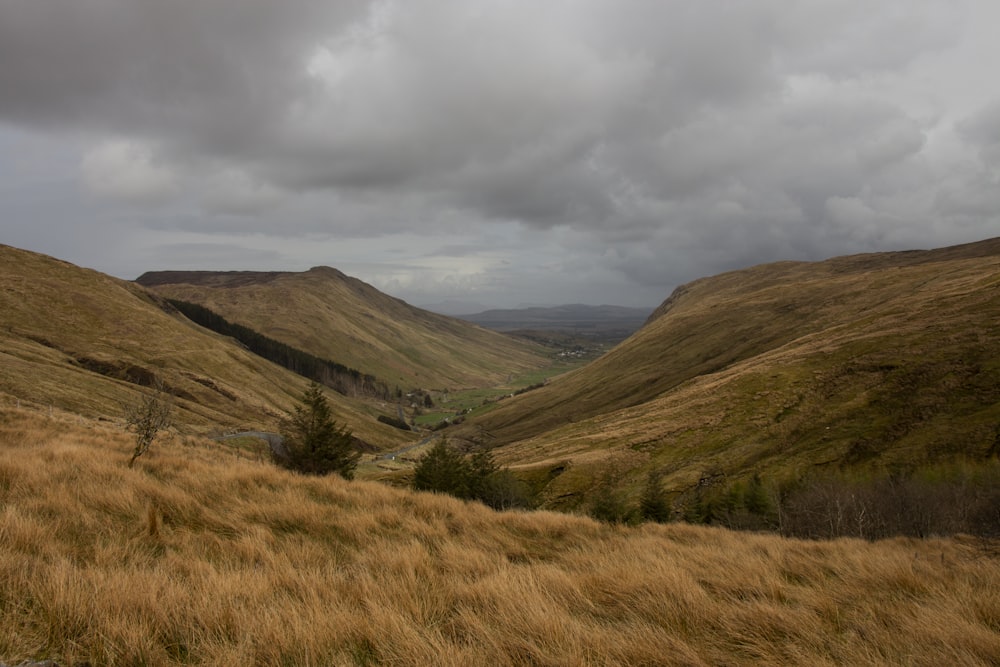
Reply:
x=471, y=402
x=462, y=404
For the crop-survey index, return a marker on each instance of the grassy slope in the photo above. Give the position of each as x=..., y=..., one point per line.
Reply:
x=201, y=557
x=343, y=319
x=873, y=358
x=58, y=322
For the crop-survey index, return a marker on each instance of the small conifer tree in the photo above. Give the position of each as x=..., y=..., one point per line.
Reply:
x=475, y=477
x=654, y=504
x=444, y=470
x=316, y=444
x=607, y=503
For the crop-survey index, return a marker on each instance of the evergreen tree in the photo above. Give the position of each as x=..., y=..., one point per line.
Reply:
x=480, y=467
x=654, y=504
x=316, y=444
x=444, y=470
x=607, y=503
x=756, y=499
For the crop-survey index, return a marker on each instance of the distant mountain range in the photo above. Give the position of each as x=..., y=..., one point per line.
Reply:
x=604, y=322
x=454, y=307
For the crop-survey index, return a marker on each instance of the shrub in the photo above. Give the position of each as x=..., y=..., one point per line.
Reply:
x=503, y=490
x=608, y=505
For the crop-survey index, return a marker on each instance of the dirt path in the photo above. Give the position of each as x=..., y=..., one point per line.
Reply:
x=399, y=452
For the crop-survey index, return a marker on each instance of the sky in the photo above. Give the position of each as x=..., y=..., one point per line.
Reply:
x=496, y=152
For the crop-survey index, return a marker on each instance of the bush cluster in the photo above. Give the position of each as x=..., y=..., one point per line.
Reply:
x=608, y=504
x=445, y=470
x=939, y=501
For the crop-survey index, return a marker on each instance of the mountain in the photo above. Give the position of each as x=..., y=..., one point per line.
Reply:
x=454, y=307
x=337, y=317
x=605, y=322
x=886, y=359
x=81, y=341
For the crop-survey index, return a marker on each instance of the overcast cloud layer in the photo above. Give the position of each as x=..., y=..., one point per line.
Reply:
x=496, y=151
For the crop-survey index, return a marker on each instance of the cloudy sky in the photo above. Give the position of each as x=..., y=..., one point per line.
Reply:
x=496, y=151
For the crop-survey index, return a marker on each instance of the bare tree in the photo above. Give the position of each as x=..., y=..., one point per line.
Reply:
x=147, y=416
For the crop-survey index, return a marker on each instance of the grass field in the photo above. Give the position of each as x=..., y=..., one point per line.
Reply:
x=205, y=556
x=478, y=401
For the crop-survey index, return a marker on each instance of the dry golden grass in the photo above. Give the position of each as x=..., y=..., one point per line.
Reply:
x=199, y=556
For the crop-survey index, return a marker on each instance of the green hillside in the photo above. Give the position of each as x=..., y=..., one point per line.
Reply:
x=871, y=360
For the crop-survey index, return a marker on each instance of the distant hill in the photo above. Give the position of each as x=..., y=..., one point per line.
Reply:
x=876, y=360
x=78, y=340
x=454, y=307
x=334, y=316
x=600, y=322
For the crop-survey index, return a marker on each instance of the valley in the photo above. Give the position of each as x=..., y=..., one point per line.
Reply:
x=587, y=324
x=857, y=397
x=866, y=365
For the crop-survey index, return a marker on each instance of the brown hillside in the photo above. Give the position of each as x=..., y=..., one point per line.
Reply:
x=870, y=358
x=334, y=316
x=79, y=340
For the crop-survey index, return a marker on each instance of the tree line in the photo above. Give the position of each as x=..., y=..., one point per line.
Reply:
x=340, y=378
x=939, y=499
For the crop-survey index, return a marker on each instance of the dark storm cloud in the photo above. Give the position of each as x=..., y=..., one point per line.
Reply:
x=653, y=141
x=215, y=71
